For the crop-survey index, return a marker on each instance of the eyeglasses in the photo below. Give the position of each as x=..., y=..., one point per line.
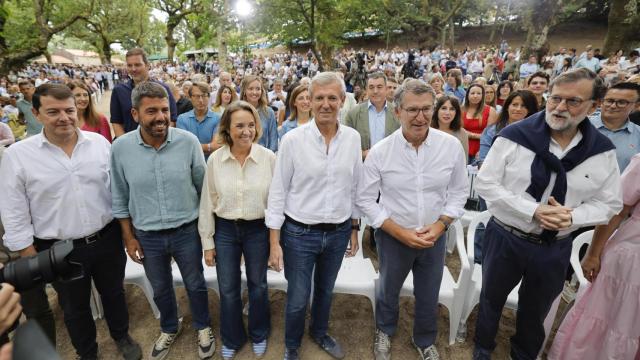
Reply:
x=199, y=97
x=413, y=112
x=618, y=102
x=571, y=102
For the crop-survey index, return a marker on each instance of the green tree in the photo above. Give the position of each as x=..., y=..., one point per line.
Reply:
x=26, y=27
x=624, y=26
x=176, y=11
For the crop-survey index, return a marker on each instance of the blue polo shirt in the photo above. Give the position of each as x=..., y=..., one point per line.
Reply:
x=626, y=139
x=204, y=129
x=121, y=105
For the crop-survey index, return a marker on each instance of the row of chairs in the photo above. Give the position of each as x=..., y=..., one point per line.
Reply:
x=357, y=276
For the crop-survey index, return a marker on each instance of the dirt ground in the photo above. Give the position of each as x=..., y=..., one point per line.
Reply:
x=351, y=324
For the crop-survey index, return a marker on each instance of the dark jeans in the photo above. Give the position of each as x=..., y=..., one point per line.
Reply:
x=35, y=306
x=306, y=253
x=103, y=261
x=234, y=239
x=183, y=245
x=479, y=236
x=395, y=261
x=506, y=260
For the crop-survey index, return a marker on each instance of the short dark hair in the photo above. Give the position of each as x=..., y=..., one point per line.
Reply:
x=575, y=75
x=26, y=82
x=147, y=89
x=377, y=75
x=538, y=74
x=626, y=86
x=135, y=52
x=634, y=53
x=203, y=87
x=455, y=123
x=58, y=91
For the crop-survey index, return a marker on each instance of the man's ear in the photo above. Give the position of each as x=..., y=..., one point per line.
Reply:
x=134, y=114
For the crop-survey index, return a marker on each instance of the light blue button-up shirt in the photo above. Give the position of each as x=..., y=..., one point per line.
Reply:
x=204, y=129
x=157, y=189
x=626, y=139
x=376, y=123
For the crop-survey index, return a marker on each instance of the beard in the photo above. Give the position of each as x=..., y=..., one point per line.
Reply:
x=562, y=120
x=157, y=128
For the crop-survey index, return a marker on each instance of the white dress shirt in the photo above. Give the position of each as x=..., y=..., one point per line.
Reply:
x=46, y=194
x=313, y=185
x=593, y=187
x=416, y=187
x=232, y=191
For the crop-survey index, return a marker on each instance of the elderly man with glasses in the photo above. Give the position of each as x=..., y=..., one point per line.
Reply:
x=544, y=177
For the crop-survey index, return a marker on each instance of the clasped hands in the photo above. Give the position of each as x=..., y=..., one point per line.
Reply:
x=553, y=216
x=421, y=238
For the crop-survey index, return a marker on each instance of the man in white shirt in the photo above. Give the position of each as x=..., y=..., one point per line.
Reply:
x=543, y=178
x=55, y=186
x=312, y=213
x=277, y=96
x=421, y=176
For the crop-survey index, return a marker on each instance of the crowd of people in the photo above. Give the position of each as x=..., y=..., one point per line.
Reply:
x=274, y=164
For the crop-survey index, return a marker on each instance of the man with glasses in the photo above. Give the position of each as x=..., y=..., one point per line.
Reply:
x=544, y=177
x=201, y=121
x=422, y=178
x=619, y=101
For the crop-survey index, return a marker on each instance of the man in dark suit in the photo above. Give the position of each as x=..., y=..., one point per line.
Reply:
x=374, y=119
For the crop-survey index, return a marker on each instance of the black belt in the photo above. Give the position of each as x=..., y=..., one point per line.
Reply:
x=533, y=238
x=87, y=240
x=317, y=227
x=168, y=231
x=243, y=222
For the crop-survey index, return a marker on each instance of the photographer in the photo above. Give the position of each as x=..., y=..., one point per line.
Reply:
x=55, y=186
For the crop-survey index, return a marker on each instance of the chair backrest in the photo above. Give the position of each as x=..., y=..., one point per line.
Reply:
x=578, y=242
x=457, y=231
x=481, y=218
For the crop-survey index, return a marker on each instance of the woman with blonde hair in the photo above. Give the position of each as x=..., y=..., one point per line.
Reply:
x=88, y=117
x=252, y=91
x=437, y=83
x=226, y=95
x=231, y=225
x=300, y=105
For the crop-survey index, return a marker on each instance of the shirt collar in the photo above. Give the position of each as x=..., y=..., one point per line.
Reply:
x=599, y=124
x=227, y=155
x=370, y=104
x=42, y=139
x=141, y=141
x=426, y=142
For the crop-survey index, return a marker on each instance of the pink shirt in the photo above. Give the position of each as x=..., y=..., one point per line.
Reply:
x=103, y=129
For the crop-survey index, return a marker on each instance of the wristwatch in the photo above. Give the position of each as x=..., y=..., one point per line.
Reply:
x=355, y=226
x=446, y=223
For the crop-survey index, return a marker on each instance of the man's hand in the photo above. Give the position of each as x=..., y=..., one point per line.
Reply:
x=413, y=239
x=134, y=250
x=276, y=261
x=590, y=267
x=365, y=153
x=28, y=251
x=210, y=257
x=554, y=216
x=10, y=308
x=431, y=233
x=354, y=245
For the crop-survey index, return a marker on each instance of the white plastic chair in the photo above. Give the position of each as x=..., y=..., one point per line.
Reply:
x=475, y=286
x=356, y=276
x=582, y=239
x=134, y=274
x=452, y=292
x=95, y=303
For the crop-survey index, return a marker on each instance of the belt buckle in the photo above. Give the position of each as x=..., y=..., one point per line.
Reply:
x=91, y=238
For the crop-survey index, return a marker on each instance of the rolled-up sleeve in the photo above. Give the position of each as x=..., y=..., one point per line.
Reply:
x=119, y=185
x=14, y=205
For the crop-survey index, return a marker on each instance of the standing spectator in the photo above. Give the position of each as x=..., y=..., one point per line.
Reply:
x=88, y=117
x=277, y=96
x=613, y=122
x=158, y=214
x=231, y=225
x=317, y=168
x=24, y=105
x=528, y=238
x=201, y=121
x=253, y=92
x=138, y=69
x=476, y=116
x=412, y=219
x=538, y=83
x=183, y=103
x=374, y=119
x=446, y=118
x=55, y=186
x=529, y=68
x=300, y=105
x=226, y=95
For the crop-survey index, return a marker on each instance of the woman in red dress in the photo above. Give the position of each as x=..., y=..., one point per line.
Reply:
x=476, y=116
x=88, y=118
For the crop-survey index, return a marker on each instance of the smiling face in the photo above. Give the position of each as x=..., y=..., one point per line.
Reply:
x=303, y=102
x=326, y=101
x=446, y=114
x=242, y=129
x=226, y=96
x=376, y=90
x=517, y=110
x=82, y=98
x=137, y=69
x=58, y=117
x=415, y=116
x=253, y=92
x=153, y=117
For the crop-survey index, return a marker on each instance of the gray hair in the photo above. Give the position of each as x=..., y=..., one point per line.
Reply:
x=327, y=78
x=147, y=89
x=572, y=76
x=413, y=86
x=377, y=75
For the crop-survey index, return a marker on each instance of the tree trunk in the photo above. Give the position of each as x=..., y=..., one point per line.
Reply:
x=106, y=52
x=541, y=17
x=452, y=35
x=47, y=56
x=171, y=43
x=222, y=39
x=496, y=23
x=318, y=54
x=624, y=24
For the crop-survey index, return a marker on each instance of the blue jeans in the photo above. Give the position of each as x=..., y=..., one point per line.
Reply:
x=233, y=239
x=304, y=250
x=183, y=245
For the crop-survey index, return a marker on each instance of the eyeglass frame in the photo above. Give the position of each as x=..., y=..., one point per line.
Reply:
x=418, y=111
x=573, y=103
x=617, y=102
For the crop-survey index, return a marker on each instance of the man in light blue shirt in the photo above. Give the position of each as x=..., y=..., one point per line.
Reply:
x=529, y=68
x=156, y=179
x=590, y=62
x=24, y=105
x=201, y=121
x=613, y=122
